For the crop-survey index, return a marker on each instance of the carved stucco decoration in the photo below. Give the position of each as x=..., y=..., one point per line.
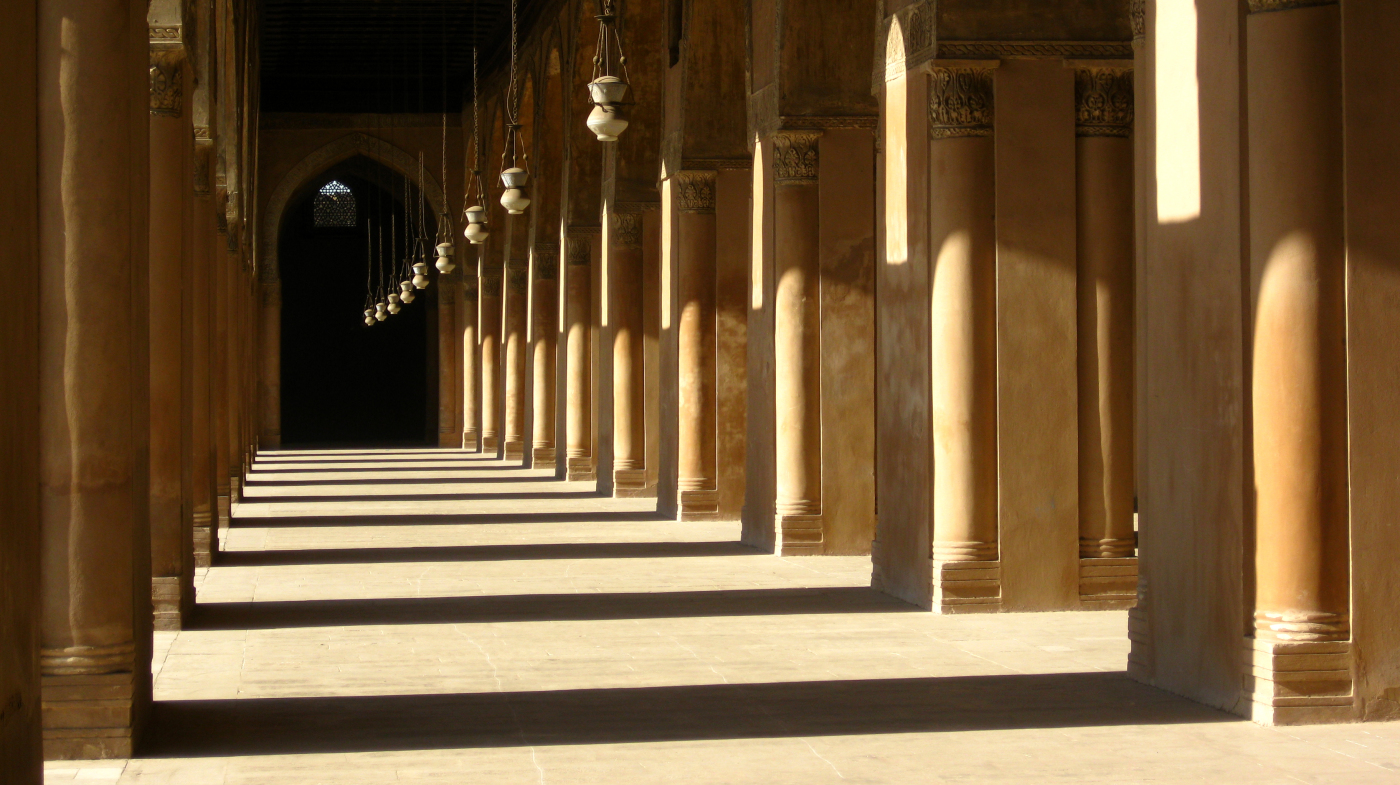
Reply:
x=695, y=191
x=322, y=159
x=167, y=86
x=960, y=102
x=1004, y=50
x=1260, y=6
x=909, y=40
x=518, y=275
x=627, y=230
x=1137, y=17
x=1103, y=101
x=546, y=261
x=795, y=155
x=580, y=250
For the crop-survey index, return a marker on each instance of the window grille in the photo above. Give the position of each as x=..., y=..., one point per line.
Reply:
x=335, y=206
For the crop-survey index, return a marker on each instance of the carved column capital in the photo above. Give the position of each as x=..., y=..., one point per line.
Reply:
x=627, y=230
x=1137, y=17
x=546, y=260
x=695, y=191
x=960, y=102
x=1103, y=101
x=517, y=275
x=580, y=250
x=167, y=86
x=795, y=156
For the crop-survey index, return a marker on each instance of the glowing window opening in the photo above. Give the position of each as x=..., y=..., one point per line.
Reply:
x=335, y=206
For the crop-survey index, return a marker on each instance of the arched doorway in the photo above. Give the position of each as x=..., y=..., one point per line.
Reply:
x=343, y=382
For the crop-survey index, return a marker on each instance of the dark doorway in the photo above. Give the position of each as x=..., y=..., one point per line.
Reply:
x=344, y=382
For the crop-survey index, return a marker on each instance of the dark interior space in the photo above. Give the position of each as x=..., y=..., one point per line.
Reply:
x=344, y=382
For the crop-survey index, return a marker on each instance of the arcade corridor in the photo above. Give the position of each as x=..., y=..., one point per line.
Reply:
x=432, y=615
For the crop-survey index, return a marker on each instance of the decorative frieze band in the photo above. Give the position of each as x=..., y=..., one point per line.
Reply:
x=795, y=156
x=1103, y=101
x=960, y=102
x=580, y=250
x=167, y=88
x=1007, y=50
x=165, y=33
x=1262, y=6
x=695, y=191
x=627, y=230
x=716, y=163
x=820, y=122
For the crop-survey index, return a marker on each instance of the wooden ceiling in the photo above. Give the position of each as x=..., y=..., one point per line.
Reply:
x=380, y=55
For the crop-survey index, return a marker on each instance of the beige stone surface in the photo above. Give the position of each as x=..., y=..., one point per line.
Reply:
x=530, y=631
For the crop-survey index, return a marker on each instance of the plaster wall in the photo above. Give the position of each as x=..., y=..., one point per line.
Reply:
x=846, y=186
x=1192, y=300
x=1037, y=372
x=20, y=761
x=1371, y=79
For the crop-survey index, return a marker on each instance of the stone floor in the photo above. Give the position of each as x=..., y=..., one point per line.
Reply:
x=435, y=617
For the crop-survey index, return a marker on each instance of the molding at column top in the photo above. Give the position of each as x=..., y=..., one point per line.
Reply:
x=716, y=163
x=575, y=230
x=1103, y=101
x=166, y=35
x=635, y=207
x=1265, y=6
x=960, y=101
x=1018, y=50
x=517, y=278
x=167, y=84
x=695, y=190
x=580, y=249
x=821, y=122
x=795, y=156
x=627, y=230
x=1137, y=18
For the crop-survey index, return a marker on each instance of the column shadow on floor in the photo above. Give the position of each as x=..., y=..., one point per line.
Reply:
x=281, y=726
x=303, y=468
x=425, y=496
x=428, y=519
x=255, y=481
x=542, y=607
x=482, y=553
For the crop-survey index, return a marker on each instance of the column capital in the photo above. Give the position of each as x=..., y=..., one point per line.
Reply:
x=580, y=249
x=627, y=230
x=960, y=102
x=546, y=260
x=795, y=155
x=1137, y=17
x=695, y=190
x=517, y=275
x=167, y=85
x=1103, y=101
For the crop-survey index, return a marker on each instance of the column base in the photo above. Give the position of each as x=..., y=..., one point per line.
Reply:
x=490, y=443
x=204, y=535
x=172, y=600
x=89, y=717
x=630, y=483
x=542, y=458
x=698, y=505
x=235, y=490
x=966, y=586
x=1297, y=682
x=220, y=523
x=1141, y=658
x=580, y=469
x=1108, y=584
x=799, y=535
x=471, y=441
x=515, y=450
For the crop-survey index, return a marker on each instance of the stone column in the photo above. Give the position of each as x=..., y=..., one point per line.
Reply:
x=797, y=349
x=629, y=378
x=172, y=548
x=270, y=361
x=1297, y=260
x=545, y=309
x=517, y=295
x=490, y=309
x=219, y=374
x=1104, y=190
x=237, y=401
x=202, y=413
x=94, y=375
x=696, y=237
x=467, y=315
x=577, y=393
x=447, y=293
x=962, y=233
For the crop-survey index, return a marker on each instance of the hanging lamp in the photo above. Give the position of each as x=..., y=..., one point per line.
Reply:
x=476, y=231
x=444, y=247
x=608, y=118
x=369, y=317
x=515, y=177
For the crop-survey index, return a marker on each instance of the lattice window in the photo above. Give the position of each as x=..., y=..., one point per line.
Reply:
x=335, y=206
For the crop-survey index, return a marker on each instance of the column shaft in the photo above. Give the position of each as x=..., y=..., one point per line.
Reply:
x=517, y=296
x=694, y=195
x=94, y=375
x=467, y=316
x=201, y=443
x=448, y=290
x=490, y=309
x=629, y=379
x=270, y=361
x=544, y=307
x=578, y=398
x=796, y=342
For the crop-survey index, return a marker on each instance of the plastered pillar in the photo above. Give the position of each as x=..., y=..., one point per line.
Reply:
x=514, y=338
x=467, y=315
x=797, y=349
x=544, y=310
x=219, y=357
x=490, y=311
x=172, y=547
x=1104, y=237
x=449, y=289
x=963, y=354
x=694, y=192
x=629, y=380
x=201, y=334
x=270, y=360
x=1297, y=256
x=578, y=415
x=94, y=438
